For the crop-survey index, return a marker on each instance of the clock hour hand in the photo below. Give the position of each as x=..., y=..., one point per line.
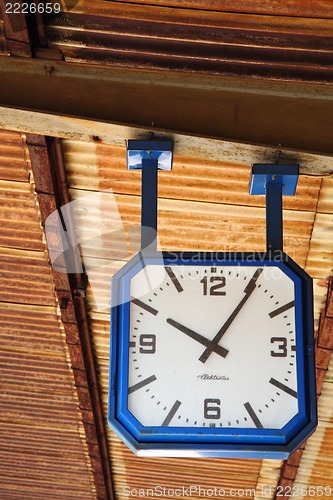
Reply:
x=214, y=342
x=199, y=338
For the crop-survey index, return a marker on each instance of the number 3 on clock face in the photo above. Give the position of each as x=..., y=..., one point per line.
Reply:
x=212, y=355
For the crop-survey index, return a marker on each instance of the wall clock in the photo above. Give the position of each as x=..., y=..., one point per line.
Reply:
x=212, y=354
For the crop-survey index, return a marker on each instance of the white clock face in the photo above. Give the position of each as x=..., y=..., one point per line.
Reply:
x=212, y=347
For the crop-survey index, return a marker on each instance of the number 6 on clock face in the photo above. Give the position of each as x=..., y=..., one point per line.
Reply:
x=212, y=355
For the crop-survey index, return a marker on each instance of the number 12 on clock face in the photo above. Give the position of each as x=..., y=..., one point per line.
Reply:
x=211, y=355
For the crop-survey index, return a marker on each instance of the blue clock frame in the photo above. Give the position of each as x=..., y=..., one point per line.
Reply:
x=203, y=441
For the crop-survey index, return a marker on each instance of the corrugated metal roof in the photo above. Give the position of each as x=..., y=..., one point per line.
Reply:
x=13, y=162
x=325, y=203
x=192, y=40
x=37, y=281
x=113, y=33
x=183, y=217
x=298, y=8
x=42, y=442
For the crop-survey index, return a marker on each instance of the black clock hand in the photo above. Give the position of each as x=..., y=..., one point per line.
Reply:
x=199, y=338
x=213, y=343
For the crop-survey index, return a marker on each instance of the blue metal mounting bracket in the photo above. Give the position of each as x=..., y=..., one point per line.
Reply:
x=149, y=156
x=274, y=181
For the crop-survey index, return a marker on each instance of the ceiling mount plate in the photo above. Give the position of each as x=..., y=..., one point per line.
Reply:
x=286, y=175
x=149, y=150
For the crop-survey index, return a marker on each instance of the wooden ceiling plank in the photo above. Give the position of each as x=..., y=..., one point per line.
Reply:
x=229, y=108
x=189, y=146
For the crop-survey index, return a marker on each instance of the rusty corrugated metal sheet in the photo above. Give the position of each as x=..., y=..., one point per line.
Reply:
x=13, y=163
x=197, y=196
x=179, y=475
x=18, y=216
x=38, y=286
x=41, y=448
x=43, y=453
x=192, y=40
x=297, y=8
x=325, y=203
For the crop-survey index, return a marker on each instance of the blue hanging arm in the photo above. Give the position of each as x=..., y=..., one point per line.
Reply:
x=274, y=181
x=149, y=204
x=149, y=156
x=274, y=222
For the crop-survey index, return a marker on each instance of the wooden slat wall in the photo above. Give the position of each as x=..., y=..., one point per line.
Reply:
x=43, y=453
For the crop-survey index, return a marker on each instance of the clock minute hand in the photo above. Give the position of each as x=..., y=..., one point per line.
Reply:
x=199, y=338
x=213, y=343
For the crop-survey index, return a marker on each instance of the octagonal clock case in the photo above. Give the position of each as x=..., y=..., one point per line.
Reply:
x=212, y=355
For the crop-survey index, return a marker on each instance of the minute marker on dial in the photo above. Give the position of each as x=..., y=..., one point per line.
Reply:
x=281, y=309
x=141, y=384
x=171, y=413
x=174, y=279
x=253, y=415
x=144, y=306
x=283, y=387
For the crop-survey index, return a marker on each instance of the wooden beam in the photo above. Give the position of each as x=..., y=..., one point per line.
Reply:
x=264, y=112
x=113, y=134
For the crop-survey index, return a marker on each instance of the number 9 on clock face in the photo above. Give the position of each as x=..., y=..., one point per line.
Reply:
x=211, y=356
